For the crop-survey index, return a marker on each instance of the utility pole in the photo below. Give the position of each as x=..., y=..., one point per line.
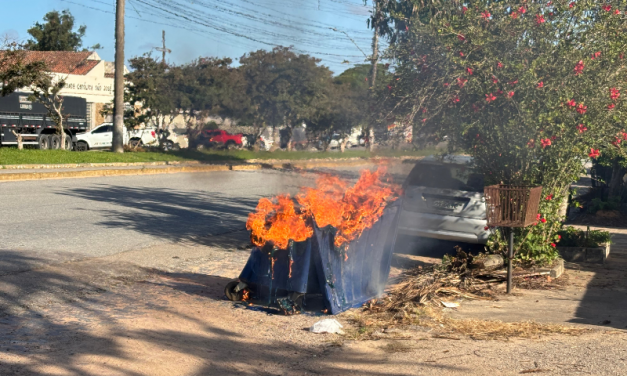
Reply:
x=373, y=69
x=118, y=107
x=164, y=50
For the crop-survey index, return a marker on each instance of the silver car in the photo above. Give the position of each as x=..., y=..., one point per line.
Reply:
x=443, y=199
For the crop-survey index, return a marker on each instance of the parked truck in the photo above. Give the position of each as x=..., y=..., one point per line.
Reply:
x=30, y=118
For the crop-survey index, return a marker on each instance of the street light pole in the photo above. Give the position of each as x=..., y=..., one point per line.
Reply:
x=118, y=101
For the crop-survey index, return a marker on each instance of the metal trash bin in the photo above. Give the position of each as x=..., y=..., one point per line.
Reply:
x=345, y=277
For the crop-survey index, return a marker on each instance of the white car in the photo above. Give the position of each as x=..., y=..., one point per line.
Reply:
x=101, y=137
x=444, y=200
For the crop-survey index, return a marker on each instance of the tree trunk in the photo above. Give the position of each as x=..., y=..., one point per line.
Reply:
x=343, y=144
x=371, y=140
x=616, y=184
x=20, y=145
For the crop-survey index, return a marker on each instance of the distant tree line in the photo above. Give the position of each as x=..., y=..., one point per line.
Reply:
x=276, y=88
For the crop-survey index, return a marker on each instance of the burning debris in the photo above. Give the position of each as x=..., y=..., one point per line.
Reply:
x=303, y=244
x=333, y=202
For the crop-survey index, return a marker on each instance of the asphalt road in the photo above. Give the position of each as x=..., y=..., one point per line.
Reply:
x=75, y=218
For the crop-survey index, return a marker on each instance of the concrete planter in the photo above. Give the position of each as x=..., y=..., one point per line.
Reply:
x=577, y=254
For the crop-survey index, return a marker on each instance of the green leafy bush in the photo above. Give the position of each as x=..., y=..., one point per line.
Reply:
x=573, y=237
x=597, y=204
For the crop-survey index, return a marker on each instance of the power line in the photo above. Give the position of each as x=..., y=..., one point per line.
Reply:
x=220, y=28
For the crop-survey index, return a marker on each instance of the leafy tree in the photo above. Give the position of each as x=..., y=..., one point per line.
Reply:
x=56, y=33
x=152, y=84
x=284, y=88
x=529, y=89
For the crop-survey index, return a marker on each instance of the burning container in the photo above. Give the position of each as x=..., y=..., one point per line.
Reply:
x=345, y=276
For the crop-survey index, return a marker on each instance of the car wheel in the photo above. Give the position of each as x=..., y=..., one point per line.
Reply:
x=68, y=142
x=231, y=145
x=168, y=145
x=348, y=145
x=135, y=142
x=82, y=146
x=55, y=142
x=44, y=142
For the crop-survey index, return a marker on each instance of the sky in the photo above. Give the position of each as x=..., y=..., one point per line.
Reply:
x=217, y=28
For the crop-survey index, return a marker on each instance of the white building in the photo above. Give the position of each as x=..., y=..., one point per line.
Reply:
x=86, y=76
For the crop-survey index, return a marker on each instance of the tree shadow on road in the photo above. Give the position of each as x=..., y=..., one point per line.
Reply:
x=199, y=217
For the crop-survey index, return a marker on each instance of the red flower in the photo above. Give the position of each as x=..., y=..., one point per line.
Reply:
x=514, y=15
x=469, y=70
x=510, y=94
x=571, y=103
x=624, y=135
x=581, y=108
x=594, y=153
x=540, y=19
x=553, y=245
x=499, y=65
x=461, y=37
x=611, y=106
x=522, y=10
x=595, y=55
x=538, y=216
x=461, y=81
x=614, y=93
x=486, y=228
x=456, y=99
x=424, y=120
x=531, y=144
x=490, y=97
x=553, y=138
x=389, y=88
x=616, y=141
x=424, y=110
x=581, y=128
x=549, y=197
x=559, y=237
x=485, y=15
x=545, y=142
x=607, y=8
x=461, y=54
x=540, y=84
x=617, y=11
x=513, y=82
x=543, y=220
x=579, y=67
x=571, y=4
x=495, y=80
x=464, y=9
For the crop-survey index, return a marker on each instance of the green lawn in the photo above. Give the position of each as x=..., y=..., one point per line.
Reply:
x=12, y=156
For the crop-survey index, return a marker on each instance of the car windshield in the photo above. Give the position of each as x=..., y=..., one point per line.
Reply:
x=454, y=177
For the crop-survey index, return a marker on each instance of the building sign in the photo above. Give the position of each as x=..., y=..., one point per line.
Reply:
x=88, y=87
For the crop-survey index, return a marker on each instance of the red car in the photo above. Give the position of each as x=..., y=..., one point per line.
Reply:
x=220, y=138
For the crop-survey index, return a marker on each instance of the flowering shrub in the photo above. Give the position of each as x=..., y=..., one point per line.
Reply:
x=563, y=60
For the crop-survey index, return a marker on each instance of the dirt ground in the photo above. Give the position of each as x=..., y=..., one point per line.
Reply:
x=111, y=316
x=161, y=311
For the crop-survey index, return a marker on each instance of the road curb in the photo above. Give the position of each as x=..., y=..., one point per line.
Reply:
x=154, y=168
x=21, y=176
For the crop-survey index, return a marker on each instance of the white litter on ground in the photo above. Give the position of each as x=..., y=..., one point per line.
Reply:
x=327, y=326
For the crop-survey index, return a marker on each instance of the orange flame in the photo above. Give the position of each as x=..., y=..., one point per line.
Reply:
x=333, y=202
x=277, y=222
x=245, y=295
x=350, y=210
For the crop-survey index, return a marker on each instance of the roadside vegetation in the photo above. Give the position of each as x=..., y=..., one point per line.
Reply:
x=12, y=156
